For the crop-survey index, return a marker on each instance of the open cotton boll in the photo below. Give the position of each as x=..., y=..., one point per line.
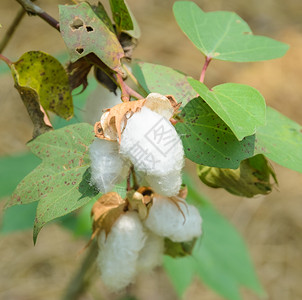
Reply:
x=151, y=255
x=152, y=144
x=99, y=100
x=118, y=253
x=166, y=185
x=108, y=167
x=166, y=220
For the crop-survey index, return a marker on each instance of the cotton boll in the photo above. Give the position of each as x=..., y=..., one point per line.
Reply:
x=151, y=255
x=99, y=100
x=118, y=253
x=166, y=185
x=151, y=143
x=108, y=167
x=166, y=220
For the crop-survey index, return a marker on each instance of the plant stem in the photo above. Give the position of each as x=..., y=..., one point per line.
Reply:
x=6, y=60
x=204, y=68
x=34, y=9
x=127, y=91
x=81, y=279
x=11, y=29
x=135, y=81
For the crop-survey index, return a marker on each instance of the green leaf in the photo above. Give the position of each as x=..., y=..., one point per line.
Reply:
x=240, y=106
x=13, y=169
x=280, y=140
x=61, y=182
x=100, y=11
x=207, y=140
x=120, y=15
x=164, y=80
x=43, y=75
x=181, y=272
x=135, y=32
x=18, y=218
x=220, y=257
x=84, y=32
x=224, y=35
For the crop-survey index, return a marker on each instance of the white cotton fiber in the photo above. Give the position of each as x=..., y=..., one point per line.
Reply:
x=99, y=100
x=152, y=253
x=118, y=254
x=166, y=185
x=108, y=167
x=166, y=220
x=151, y=143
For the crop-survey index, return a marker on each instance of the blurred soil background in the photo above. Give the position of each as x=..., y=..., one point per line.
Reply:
x=271, y=225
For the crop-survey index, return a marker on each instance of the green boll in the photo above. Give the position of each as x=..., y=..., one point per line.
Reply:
x=253, y=177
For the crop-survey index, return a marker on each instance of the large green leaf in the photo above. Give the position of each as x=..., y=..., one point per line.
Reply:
x=120, y=15
x=280, y=140
x=61, y=182
x=207, y=140
x=44, y=76
x=224, y=35
x=164, y=80
x=83, y=33
x=240, y=106
x=181, y=271
x=220, y=257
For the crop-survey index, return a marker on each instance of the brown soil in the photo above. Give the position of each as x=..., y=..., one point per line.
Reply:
x=271, y=226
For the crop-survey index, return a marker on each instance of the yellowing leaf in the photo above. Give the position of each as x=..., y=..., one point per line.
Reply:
x=41, y=74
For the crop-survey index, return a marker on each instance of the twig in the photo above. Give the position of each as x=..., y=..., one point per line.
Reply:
x=45, y=118
x=29, y=99
x=34, y=9
x=204, y=69
x=11, y=29
x=81, y=279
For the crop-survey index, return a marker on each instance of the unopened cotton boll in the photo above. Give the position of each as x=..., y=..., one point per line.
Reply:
x=99, y=100
x=166, y=220
x=108, y=167
x=118, y=253
x=152, y=144
x=152, y=253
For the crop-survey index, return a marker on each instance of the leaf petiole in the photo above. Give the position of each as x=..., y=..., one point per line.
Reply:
x=204, y=68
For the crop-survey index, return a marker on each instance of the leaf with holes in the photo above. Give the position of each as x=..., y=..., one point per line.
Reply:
x=84, y=32
x=61, y=182
x=120, y=15
x=224, y=35
x=43, y=75
x=207, y=140
x=281, y=140
x=240, y=106
x=164, y=80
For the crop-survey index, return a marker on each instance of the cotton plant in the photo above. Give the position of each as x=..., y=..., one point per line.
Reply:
x=139, y=140
x=142, y=141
